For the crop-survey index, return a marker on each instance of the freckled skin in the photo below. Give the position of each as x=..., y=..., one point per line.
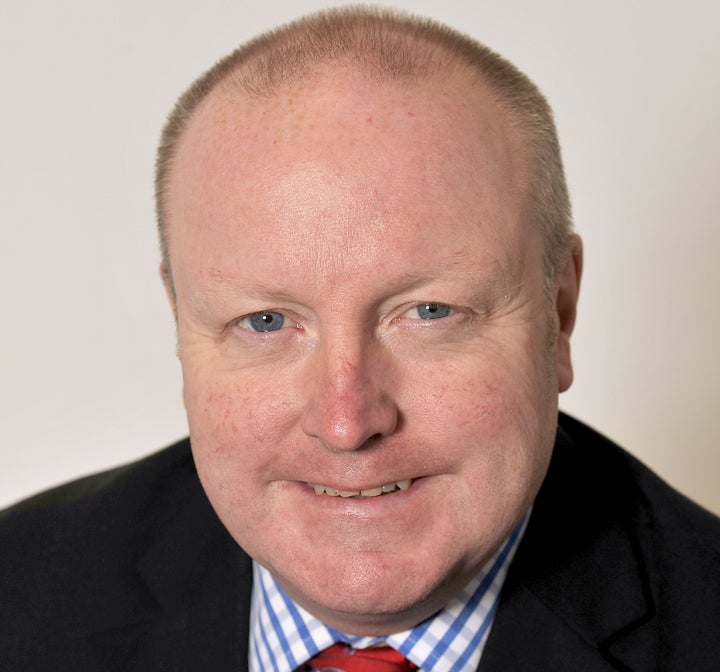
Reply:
x=345, y=227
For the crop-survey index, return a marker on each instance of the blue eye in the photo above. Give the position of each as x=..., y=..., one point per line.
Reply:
x=263, y=322
x=432, y=311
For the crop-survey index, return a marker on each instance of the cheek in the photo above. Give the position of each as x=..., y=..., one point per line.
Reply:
x=235, y=427
x=495, y=418
x=231, y=404
x=484, y=395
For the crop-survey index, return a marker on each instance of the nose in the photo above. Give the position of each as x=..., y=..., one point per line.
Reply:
x=348, y=402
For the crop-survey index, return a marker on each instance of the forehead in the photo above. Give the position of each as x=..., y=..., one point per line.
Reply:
x=339, y=148
x=339, y=114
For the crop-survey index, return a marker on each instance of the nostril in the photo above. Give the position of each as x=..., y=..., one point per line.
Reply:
x=347, y=405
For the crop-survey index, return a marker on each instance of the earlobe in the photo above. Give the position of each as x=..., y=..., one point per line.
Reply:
x=568, y=289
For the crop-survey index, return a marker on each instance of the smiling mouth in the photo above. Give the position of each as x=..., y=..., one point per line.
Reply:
x=386, y=489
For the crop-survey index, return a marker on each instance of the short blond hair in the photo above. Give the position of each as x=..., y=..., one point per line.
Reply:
x=390, y=46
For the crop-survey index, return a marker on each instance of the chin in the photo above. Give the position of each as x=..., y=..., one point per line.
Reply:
x=371, y=595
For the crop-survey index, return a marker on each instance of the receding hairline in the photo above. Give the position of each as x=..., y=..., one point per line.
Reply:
x=388, y=46
x=386, y=43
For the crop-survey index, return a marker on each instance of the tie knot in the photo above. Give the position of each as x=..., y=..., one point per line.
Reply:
x=343, y=658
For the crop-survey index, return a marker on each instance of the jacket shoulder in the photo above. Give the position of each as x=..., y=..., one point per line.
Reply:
x=129, y=569
x=677, y=551
x=125, y=487
x=673, y=515
x=66, y=546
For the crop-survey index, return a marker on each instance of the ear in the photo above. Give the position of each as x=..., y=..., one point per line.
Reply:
x=167, y=279
x=568, y=289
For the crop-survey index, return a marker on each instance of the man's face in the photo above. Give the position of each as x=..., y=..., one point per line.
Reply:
x=360, y=305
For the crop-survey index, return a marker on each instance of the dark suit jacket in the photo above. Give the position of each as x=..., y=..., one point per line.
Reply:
x=131, y=570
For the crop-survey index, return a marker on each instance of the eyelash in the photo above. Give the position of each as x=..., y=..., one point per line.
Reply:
x=253, y=322
x=432, y=307
x=262, y=318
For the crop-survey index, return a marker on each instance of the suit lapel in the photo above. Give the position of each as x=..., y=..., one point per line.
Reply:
x=527, y=636
x=192, y=594
x=202, y=582
x=576, y=596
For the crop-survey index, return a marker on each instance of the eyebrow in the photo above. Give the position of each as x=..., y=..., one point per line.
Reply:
x=248, y=284
x=495, y=279
x=230, y=287
x=266, y=286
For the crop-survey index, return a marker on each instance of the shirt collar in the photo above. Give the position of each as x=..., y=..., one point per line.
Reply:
x=283, y=635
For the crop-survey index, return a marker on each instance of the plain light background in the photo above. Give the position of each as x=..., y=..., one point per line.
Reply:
x=88, y=374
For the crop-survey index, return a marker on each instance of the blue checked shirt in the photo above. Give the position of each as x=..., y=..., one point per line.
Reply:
x=283, y=636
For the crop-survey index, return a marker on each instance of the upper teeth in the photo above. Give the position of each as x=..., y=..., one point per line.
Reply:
x=372, y=492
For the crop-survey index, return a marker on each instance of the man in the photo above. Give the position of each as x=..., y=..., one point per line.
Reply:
x=367, y=247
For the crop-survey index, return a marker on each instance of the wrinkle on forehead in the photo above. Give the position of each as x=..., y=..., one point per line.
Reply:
x=355, y=176
x=343, y=224
x=485, y=287
x=346, y=228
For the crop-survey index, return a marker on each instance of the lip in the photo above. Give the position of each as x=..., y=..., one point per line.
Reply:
x=388, y=488
x=361, y=505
